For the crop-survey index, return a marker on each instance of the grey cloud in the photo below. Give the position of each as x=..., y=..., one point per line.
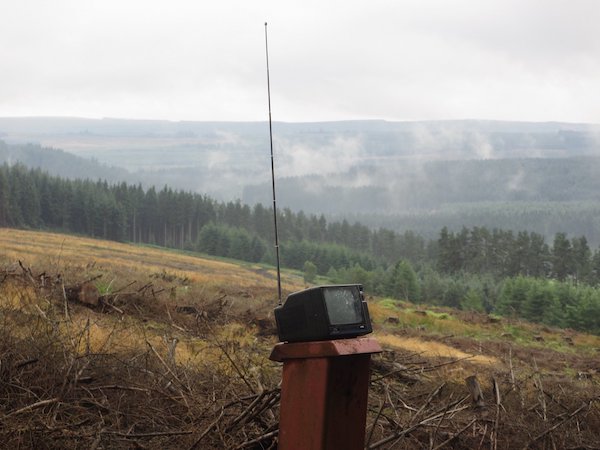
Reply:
x=334, y=60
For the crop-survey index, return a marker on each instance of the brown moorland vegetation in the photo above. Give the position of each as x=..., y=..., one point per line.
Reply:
x=172, y=353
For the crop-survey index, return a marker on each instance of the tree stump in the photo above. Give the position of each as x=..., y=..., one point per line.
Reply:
x=85, y=293
x=475, y=390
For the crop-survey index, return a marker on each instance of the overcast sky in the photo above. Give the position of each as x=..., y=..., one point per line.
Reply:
x=535, y=60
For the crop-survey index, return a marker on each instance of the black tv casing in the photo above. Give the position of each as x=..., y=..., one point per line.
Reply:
x=303, y=317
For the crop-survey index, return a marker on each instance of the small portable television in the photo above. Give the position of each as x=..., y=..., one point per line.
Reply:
x=323, y=313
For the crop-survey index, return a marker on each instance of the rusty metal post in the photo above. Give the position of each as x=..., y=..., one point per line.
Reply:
x=324, y=393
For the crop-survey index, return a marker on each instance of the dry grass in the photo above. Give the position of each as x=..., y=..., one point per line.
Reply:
x=65, y=251
x=137, y=372
x=434, y=349
x=72, y=376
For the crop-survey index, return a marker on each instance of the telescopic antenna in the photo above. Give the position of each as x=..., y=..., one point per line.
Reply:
x=273, y=173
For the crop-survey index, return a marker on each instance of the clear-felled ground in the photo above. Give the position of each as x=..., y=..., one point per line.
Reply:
x=175, y=358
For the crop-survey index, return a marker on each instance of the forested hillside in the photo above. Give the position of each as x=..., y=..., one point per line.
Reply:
x=58, y=162
x=480, y=269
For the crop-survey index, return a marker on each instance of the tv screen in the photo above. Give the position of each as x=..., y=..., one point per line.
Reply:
x=343, y=305
x=322, y=313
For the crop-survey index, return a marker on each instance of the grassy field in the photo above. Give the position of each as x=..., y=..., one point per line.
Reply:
x=175, y=355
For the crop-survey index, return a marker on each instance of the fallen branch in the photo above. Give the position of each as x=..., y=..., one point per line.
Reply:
x=428, y=401
x=412, y=428
x=27, y=362
x=94, y=278
x=247, y=411
x=462, y=430
x=105, y=302
x=494, y=433
x=123, y=288
x=228, y=356
x=164, y=364
x=383, y=403
x=554, y=427
x=148, y=435
x=33, y=406
x=257, y=440
x=208, y=430
x=27, y=272
x=118, y=387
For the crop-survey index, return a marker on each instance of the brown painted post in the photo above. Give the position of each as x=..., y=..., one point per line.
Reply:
x=324, y=393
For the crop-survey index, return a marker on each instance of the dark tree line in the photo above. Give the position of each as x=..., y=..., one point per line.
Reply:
x=506, y=254
x=30, y=198
x=122, y=212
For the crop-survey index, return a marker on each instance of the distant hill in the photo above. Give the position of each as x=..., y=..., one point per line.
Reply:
x=120, y=127
x=429, y=186
x=60, y=163
x=356, y=141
